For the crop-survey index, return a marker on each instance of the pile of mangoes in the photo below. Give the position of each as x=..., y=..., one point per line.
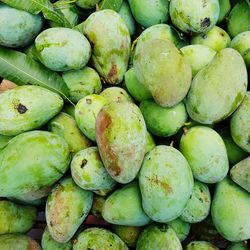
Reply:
x=136, y=113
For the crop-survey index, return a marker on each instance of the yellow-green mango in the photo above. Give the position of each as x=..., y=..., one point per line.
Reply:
x=201, y=245
x=180, y=227
x=116, y=94
x=210, y=99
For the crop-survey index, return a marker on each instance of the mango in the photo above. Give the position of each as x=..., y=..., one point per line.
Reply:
x=201, y=245
x=88, y=171
x=240, y=173
x=110, y=41
x=240, y=124
x=21, y=110
x=225, y=7
x=149, y=12
x=160, y=237
x=69, y=109
x=180, y=227
x=62, y=49
x=230, y=211
x=66, y=208
x=195, y=15
x=206, y=153
x=237, y=246
x=18, y=28
x=103, y=192
x=211, y=100
x=121, y=140
x=4, y=139
x=87, y=4
x=166, y=183
x=167, y=76
x=98, y=238
x=150, y=142
x=40, y=158
x=116, y=94
x=97, y=206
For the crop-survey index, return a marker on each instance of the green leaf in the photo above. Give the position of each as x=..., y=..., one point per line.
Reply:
x=21, y=69
x=111, y=4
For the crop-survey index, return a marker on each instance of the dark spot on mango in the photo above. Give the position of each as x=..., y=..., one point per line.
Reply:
x=84, y=162
x=205, y=22
x=88, y=101
x=21, y=108
x=113, y=71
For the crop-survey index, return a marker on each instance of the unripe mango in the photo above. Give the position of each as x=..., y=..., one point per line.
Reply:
x=116, y=94
x=201, y=245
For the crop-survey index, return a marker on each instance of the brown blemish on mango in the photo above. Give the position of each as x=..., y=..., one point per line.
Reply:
x=155, y=181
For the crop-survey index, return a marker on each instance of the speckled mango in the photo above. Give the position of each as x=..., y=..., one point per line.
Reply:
x=88, y=171
x=166, y=183
x=232, y=203
x=40, y=158
x=21, y=109
x=116, y=94
x=66, y=208
x=211, y=100
x=110, y=40
x=123, y=207
x=121, y=139
x=167, y=76
x=158, y=237
x=87, y=4
x=201, y=245
x=98, y=239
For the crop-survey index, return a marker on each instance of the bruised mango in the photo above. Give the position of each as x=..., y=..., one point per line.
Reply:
x=116, y=94
x=201, y=245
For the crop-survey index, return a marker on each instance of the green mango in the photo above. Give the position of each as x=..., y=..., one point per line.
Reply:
x=170, y=80
x=240, y=124
x=21, y=110
x=40, y=158
x=86, y=111
x=16, y=218
x=201, y=245
x=149, y=12
x=116, y=94
x=65, y=126
x=158, y=237
x=194, y=15
x=82, y=83
x=230, y=211
x=166, y=183
x=216, y=38
x=48, y=243
x=150, y=142
x=180, y=227
x=66, y=208
x=18, y=28
x=110, y=40
x=237, y=246
x=103, y=192
x=123, y=207
x=206, y=153
x=98, y=203
x=240, y=173
x=225, y=7
x=241, y=43
x=88, y=171
x=210, y=99
x=69, y=109
x=239, y=19
x=62, y=49
x=18, y=242
x=4, y=139
x=121, y=138
x=98, y=238
x=198, y=56
x=87, y=4
x=198, y=206
x=162, y=121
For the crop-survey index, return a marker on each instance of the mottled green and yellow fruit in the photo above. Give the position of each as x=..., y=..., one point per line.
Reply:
x=66, y=208
x=87, y=4
x=232, y=203
x=211, y=100
x=122, y=157
x=166, y=183
x=110, y=40
x=40, y=158
x=201, y=245
x=167, y=76
x=18, y=28
x=238, y=246
x=225, y=7
x=21, y=109
x=194, y=15
x=116, y=94
x=180, y=227
x=160, y=237
x=98, y=238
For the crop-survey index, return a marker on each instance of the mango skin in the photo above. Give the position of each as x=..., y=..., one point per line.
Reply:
x=21, y=110
x=160, y=237
x=123, y=207
x=62, y=49
x=110, y=41
x=40, y=157
x=116, y=122
x=161, y=121
x=16, y=218
x=98, y=238
x=4, y=139
x=235, y=225
x=88, y=171
x=18, y=28
x=66, y=208
x=201, y=245
x=225, y=7
x=237, y=246
x=195, y=15
x=116, y=94
x=150, y=142
x=97, y=206
x=170, y=81
x=162, y=191
x=211, y=100
x=240, y=124
x=87, y=4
